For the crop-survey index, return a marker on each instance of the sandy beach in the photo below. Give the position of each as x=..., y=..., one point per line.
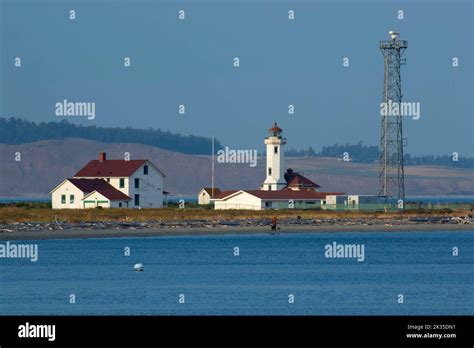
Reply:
x=223, y=230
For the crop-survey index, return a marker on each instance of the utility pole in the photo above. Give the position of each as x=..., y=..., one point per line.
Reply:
x=212, y=169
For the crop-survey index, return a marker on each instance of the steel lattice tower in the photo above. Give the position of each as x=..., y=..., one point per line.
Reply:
x=391, y=174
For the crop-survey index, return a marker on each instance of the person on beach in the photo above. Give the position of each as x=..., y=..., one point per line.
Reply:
x=274, y=223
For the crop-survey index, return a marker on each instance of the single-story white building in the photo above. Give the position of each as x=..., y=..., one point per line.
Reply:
x=336, y=199
x=334, y=202
x=87, y=193
x=205, y=195
x=362, y=201
x=261, y=199
x=351, y=202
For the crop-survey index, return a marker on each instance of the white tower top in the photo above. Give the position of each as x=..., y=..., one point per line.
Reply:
x=393, y=34
x=275, y=160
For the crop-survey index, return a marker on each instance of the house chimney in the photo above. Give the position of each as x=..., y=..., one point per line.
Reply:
x=102, y=157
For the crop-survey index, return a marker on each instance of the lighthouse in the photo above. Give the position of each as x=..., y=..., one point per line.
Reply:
x=275, y=160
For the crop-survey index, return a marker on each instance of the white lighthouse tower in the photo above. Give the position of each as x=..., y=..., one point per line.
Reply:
x=275, y=160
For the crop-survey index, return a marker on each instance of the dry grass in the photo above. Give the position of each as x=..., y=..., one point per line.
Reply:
x=21, y=214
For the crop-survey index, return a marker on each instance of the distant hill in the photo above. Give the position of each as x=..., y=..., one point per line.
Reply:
x=20, y=131
x=45, y=164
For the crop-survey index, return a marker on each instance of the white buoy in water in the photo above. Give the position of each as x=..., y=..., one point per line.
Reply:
x=138, y=267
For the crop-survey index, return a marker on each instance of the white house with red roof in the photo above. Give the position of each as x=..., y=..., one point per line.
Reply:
x=280, y=190
x=297, y=182
x=111, y=184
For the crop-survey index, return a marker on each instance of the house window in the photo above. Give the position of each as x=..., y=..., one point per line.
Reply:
x=122, y=183
x=275, y=149
x=137, y=200
x=71, y=199
x=63, y=199
x=145, y=170
x=269, y=187
x=269, y=171
x=268, y=204
x=137, y=183
x=108, y=179
x=120, y=204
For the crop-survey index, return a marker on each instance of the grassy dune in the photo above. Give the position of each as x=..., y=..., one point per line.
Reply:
x=12, y=214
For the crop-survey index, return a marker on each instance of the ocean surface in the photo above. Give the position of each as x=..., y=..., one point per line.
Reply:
x=418, y=265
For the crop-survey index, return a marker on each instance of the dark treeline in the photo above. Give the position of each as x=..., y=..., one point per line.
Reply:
x=19, y=131
x=370, y=154
x=309, y=152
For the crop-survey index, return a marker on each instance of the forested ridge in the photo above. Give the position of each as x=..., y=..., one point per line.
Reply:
x=369, y=154
x=19, y=131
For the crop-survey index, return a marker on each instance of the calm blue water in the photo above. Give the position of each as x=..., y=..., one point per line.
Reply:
x=214, y=281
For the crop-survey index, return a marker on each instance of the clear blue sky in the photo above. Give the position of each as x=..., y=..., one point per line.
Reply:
x=282, y=62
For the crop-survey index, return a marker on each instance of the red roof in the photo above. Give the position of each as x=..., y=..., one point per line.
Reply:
x=224, y=194
x=301, y=181
x=281, y=195
x=101, y=186
x=290, y=194
x=209, y=191
x=110, y=168
x=275, y=128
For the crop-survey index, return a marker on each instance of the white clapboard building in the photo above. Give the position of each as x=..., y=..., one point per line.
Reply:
x=111, y=184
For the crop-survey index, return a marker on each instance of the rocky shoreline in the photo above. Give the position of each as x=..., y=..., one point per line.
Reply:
x=242, y=223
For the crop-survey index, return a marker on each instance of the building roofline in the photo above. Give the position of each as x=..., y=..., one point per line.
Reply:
x=143, y=162
x=60, y=184
x=110, y=199
x=290, y=192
